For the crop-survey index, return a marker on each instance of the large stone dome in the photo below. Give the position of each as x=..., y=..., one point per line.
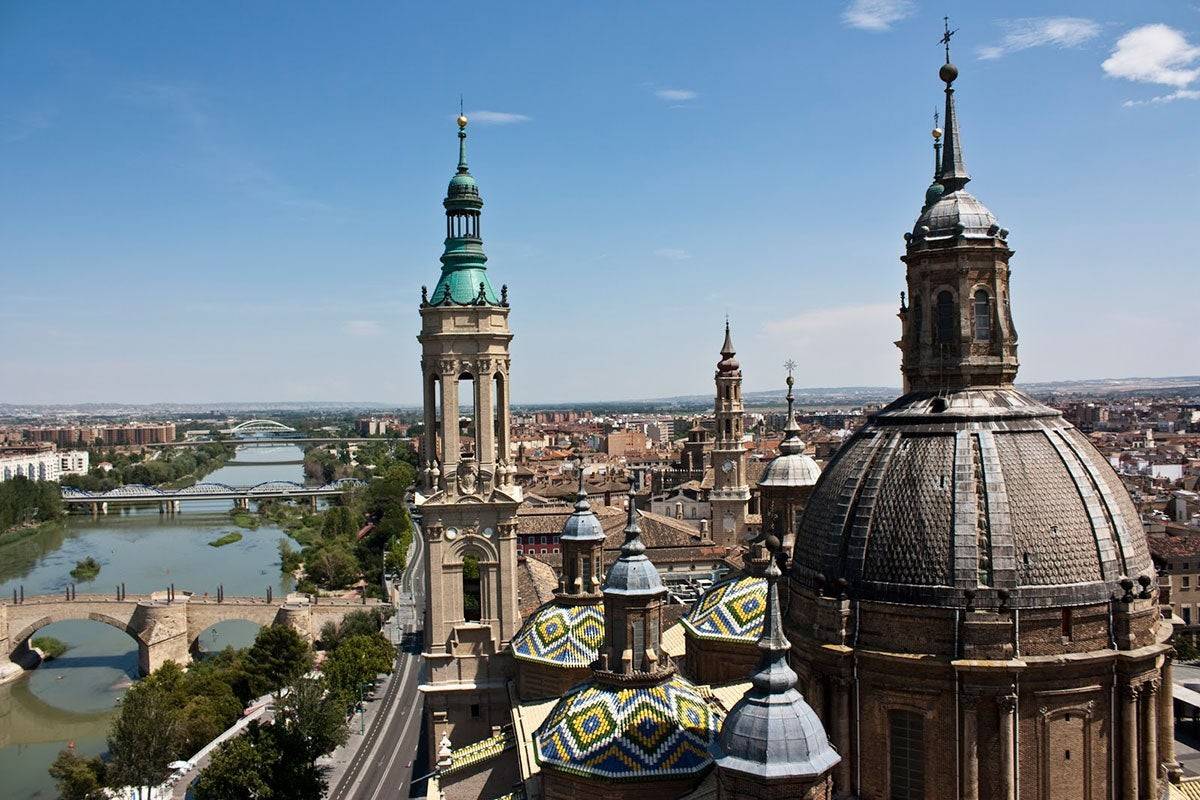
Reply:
x=979, y=490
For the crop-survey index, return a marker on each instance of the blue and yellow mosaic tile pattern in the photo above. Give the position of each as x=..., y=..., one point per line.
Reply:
x=612, y=733
x=563, y=635
x=732, y=610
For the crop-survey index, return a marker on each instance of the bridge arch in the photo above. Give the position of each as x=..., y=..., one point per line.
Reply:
x=194, y=640
x=20, y=640
x=261, y=426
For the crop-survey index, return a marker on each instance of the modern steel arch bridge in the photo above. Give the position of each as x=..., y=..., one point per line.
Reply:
x=134, y=494
x=260, y=429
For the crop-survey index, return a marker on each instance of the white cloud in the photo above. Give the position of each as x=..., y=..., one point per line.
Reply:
x=1179, y=94
x=676, y=95
x=1154, y=54
x=877, y=15
x=362, y=327
x=857, y=334
x=673, y=253
x=821, y=320
x=496, y=117
x=1021, y=34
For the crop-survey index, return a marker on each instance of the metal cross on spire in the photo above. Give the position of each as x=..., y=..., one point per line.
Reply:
x=946, y=36
x=790, y=366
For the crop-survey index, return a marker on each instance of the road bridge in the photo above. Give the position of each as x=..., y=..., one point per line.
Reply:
x=168, y=500
x=165, y=629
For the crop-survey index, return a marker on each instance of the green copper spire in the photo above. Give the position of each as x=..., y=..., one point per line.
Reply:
x=464, y=278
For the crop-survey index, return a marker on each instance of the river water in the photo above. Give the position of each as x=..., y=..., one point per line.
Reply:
x=72, y=699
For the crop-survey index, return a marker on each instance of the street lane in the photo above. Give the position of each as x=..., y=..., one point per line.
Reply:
x=382, y=767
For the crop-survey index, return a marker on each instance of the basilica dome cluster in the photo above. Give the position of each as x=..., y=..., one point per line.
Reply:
x=960, y=605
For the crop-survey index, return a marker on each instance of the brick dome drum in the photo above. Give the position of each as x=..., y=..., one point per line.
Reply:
x=945, y=499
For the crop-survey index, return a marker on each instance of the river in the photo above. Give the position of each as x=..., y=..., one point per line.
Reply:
x=72, y=699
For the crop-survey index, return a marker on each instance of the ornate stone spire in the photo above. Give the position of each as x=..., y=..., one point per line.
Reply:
x=953, y=174
x=728, y=363
x=464, y=278
x=772, y=735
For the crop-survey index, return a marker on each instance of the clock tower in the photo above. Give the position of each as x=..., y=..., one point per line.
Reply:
x=730, y=495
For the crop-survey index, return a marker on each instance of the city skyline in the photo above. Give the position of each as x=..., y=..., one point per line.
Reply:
x=290, y=212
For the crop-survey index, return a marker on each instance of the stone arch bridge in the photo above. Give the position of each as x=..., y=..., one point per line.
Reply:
x=164, y=629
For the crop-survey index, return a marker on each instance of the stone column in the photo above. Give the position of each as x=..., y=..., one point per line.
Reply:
x=841, y=735
x=1007, y=705
x=1149, y=746
x=970, y=745
x=1166, y=722
x=429, y=448
x=449, y=428
x=1129, y=731
x=485, y=433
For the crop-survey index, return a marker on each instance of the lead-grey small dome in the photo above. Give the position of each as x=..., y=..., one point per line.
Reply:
x=632, y=572
x=774, y=734
x=582, y=525
x=943, y=219
x=790, y=469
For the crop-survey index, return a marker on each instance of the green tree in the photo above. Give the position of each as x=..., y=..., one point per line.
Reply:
x=312, y=716
x=356, y=661
x=147, y=733
x=241, y=768
x=331, y=565
x=78, y=778
x=278, y=656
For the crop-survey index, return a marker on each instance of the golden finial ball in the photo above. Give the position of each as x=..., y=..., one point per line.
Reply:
x=462, y=121
x=936, y=133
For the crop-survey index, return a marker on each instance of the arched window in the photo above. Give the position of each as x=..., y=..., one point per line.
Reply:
x=472, y=597
x=906, y=755
x=944, y=318
x=983, y=316
x=918, y=320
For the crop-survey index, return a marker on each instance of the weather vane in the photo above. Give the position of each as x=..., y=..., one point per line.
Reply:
x=946, y=37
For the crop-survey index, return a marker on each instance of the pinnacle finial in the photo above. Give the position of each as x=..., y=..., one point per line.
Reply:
x=791, y=443
x=633, y=545
x=462, y=139
x=952, y=172
x=581, y=497
x=946, y=36
x=773, y=640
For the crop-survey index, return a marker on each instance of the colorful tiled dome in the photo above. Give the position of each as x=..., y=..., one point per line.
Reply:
x=605, y=731
x=565, y=635
x=732, y=610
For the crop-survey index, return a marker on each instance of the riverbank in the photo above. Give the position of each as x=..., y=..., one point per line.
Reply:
x=28, y=531
x=73, y=699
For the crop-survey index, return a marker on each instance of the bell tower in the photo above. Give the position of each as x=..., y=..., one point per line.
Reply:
x=730, y=495
x=468, y=500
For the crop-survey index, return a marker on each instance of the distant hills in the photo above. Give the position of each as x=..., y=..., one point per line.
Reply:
x=1187, y=386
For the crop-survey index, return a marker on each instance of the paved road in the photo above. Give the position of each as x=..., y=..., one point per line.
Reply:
x=383, y=765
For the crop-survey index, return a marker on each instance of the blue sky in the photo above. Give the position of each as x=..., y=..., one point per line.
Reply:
x=230, y=201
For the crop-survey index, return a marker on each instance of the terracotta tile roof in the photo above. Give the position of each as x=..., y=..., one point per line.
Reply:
x=536, y=582
x=1174, y=546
